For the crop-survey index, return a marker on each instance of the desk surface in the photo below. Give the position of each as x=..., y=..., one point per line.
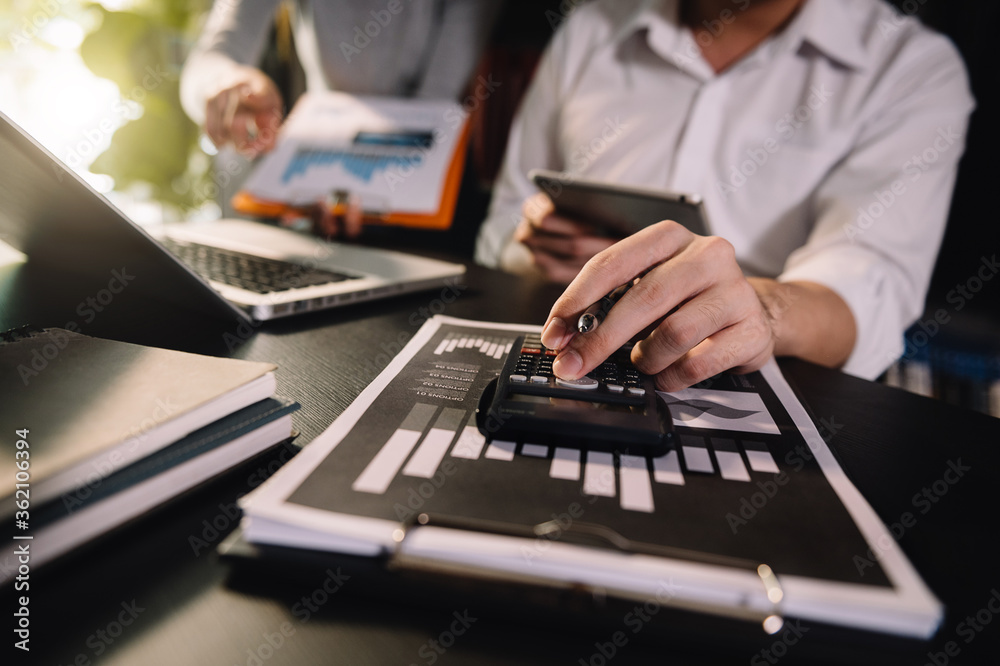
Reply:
x=144, y=595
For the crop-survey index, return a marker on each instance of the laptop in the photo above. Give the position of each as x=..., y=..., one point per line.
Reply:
x=226, y=268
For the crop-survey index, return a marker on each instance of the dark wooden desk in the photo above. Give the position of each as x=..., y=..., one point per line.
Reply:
x=155, y=593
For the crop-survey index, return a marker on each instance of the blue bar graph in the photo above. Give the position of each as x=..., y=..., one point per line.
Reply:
x=360, y=164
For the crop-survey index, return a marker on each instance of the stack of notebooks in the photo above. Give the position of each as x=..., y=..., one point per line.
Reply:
x=96, y=433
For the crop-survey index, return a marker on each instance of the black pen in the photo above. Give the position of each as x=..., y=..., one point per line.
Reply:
x=595, y=314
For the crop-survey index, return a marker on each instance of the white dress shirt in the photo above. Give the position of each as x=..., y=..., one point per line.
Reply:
x=424, y=48
x=827, y=154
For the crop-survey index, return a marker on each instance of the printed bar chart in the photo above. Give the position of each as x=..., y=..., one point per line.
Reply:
x=385, y=465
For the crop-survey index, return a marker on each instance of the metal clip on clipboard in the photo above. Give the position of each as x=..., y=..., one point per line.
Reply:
x=589, y=534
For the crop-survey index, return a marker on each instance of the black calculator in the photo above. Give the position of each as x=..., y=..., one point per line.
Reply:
x=613, y=408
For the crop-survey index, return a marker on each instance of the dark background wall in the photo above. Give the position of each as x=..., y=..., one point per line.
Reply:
x=973, y=229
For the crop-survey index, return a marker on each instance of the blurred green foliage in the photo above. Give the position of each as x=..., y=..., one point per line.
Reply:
x=142, y=51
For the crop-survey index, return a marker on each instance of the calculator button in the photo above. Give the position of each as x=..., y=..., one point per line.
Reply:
x=538, y=379
x=586, y=383
x=637, y=391
x=518, y=378
x=615, y=388
x=530, y=350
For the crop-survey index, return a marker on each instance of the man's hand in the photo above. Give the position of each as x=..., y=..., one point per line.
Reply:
x=559, y=246
x=332, y=219
x=246, y=112
x=717, y=319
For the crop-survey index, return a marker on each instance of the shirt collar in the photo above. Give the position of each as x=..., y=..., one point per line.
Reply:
x=826, y=24
x=649, y=14
x=829, y=26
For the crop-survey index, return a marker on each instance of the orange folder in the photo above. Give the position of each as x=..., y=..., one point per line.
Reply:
x=248, y=204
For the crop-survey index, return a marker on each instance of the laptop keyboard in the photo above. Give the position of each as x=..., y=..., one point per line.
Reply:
x=246, y=271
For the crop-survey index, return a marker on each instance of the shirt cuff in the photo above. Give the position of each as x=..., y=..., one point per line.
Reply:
x=882, y=309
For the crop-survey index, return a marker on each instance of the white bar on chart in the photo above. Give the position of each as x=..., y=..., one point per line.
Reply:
x=696, y=459
x=535, y=450
x=451, y=345
x=667, y=469
x=383, y=468
x=565, y=464
x=483, y=345
x=761, y=461
x=731, y=466
x=500, y=450
x=492, y=349
x=636, y=489
x=599, y=474
x=469, y=445
x=499, y=352
x=463, y=342
x=425, y=461
x=478, y=342
x=441, y=347
x=506, y=349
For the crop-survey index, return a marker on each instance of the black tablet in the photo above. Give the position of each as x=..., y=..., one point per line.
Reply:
x=619, y=210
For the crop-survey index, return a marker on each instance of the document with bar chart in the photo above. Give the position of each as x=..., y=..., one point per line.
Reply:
x=393, y=154
x=749, y=482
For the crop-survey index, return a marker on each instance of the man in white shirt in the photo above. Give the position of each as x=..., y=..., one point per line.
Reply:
x=823, y=136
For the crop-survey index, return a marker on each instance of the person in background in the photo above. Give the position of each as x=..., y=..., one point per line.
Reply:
x=824, y=137
x=404, y=48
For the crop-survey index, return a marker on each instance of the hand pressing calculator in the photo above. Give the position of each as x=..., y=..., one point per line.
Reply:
x=613, y=408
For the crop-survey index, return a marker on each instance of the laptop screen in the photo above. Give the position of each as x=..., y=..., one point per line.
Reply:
x=55, y=218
